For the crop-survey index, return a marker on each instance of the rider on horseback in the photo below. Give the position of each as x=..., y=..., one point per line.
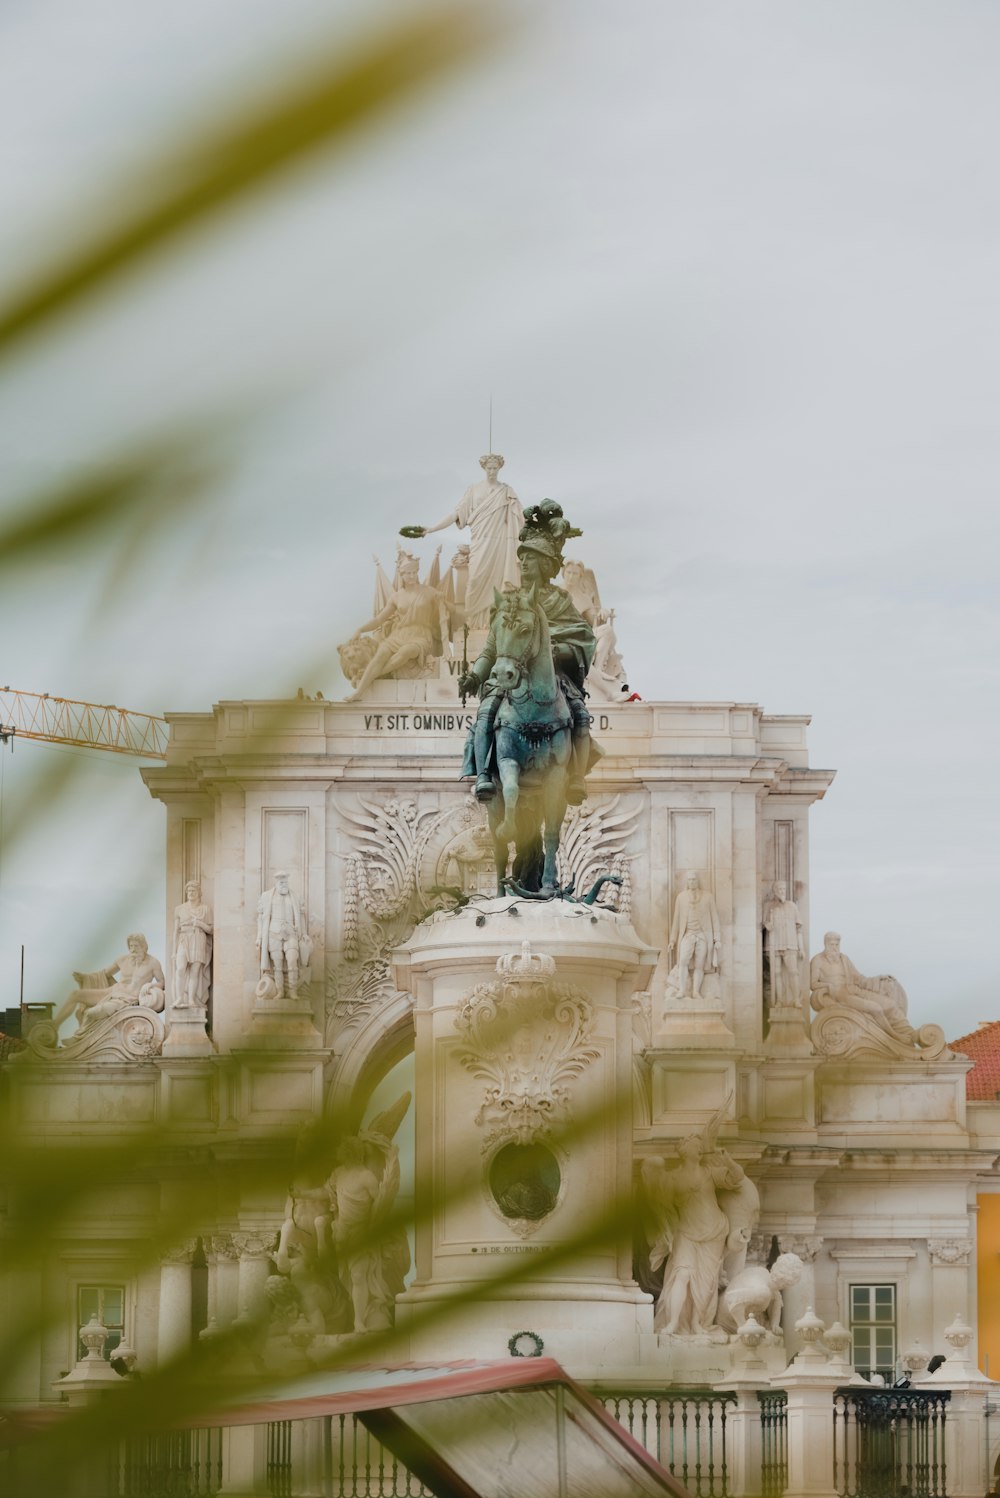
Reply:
x=573, y=644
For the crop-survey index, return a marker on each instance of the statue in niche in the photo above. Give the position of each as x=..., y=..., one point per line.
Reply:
x=140, y=982
x=836, y=983
x=410, y=622
x=785, y=949
x=491, y=511
x=757, y=1291
x=700, y=1213
x=283, y=945
x=532, y=716
x=192, y=947
x=696, y=937
x=360, y=1193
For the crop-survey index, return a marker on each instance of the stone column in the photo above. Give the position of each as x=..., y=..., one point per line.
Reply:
x=255, y=1249
x=226, y=1305
x=174, y=1328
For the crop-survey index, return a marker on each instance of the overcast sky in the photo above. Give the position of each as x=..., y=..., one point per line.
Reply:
x=729, y=272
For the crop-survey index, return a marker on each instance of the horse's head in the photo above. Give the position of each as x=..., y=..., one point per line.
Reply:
x=517, y=635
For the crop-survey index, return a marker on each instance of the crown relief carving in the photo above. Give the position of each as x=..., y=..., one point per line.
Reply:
x=527, y=1037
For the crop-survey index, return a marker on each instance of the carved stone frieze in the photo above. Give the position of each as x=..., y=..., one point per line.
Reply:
x=526, y=1037
x=951, y=1251
x=224, y=1247
x=134, y=1033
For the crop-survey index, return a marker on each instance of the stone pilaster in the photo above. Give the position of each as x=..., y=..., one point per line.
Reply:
x=174, y=1329
x=255, y=1250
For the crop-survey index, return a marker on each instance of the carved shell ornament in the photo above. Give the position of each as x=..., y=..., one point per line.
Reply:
x=527, y=1037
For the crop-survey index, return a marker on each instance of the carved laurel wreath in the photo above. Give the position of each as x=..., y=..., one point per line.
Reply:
x=537, y=1345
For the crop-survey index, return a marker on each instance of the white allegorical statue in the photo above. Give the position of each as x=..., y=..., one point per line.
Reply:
x=492, y=513
x=140, y=981
x=192, y=949
x=785, y=949
x=700, y=1213
x=283, y=946
x=372, y=1263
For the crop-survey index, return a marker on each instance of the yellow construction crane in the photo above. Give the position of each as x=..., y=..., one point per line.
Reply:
x=90, y=725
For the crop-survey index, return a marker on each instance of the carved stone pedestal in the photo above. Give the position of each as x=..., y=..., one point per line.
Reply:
x=693, y=1024
x=524, y=1132
x=283, y=1024
x=187, y=1034
x=787, y=1033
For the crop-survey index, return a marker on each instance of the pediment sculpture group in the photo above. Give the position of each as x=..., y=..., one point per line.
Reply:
x=417, y=622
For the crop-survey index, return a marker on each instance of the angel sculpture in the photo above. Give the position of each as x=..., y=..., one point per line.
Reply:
x=700, y=1214
x=372, y=1262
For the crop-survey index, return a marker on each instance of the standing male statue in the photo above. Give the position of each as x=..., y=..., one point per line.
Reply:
x=696, y=937
x=492, y=513
x=784, y=946
x=280, y=932
x=192, y=949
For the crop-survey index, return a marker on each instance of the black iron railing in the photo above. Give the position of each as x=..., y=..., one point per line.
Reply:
x=685, y=1429
x=889, y=1443
x=773, y=1442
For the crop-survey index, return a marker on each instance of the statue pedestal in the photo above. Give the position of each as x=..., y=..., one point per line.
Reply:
x=281, y=1024
x=187, y=1034
x=693, y=1024
x=523, y=1114
x=787, y=1034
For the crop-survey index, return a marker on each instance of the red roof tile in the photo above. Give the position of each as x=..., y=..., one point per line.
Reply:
x=982, y=1047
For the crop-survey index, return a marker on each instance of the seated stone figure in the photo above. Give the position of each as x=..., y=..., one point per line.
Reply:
x=409, y=627
x=836, y=983
x=140, y=981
